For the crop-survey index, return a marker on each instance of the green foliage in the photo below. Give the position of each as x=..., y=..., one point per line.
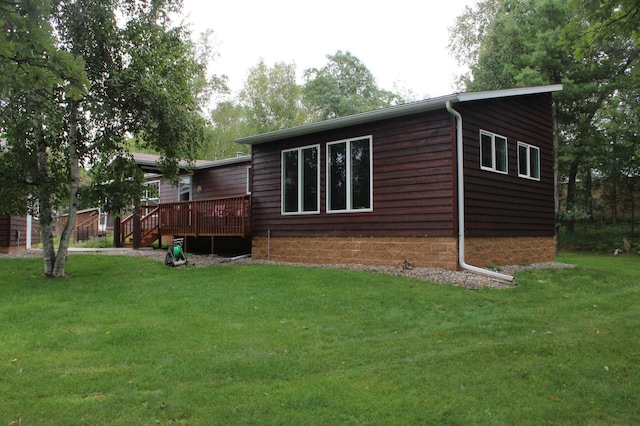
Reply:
x=127, y=340
x=229, y=122
x=534, y=42
x=607, y=21
x=72, y=97
x=115, y=185
x=600, y=239
x=272, y=99
x=343, y=87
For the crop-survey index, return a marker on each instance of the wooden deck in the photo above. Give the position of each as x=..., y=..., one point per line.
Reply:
x=215, y=217
x=228, y=217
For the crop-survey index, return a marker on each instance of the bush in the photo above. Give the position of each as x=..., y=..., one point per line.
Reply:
x=601, y=239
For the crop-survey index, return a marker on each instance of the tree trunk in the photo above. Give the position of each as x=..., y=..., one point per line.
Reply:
x=48, y=250
x=74, y=183
x=631, y=185
x=556, y=178
x=571, y=194
x=588, y=195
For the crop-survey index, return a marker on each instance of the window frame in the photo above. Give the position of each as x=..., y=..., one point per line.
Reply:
x=185, y=186
x=249, y=181
x=300, y=210
x=494, y=153
x=349, y=201
x=148, y=201
x=529, y=148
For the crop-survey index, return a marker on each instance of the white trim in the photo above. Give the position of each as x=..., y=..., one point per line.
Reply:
x=152, y=161
x=505, y=93
x=249, y=187
x=529, y=148
x=300, y=210
x=148, y=183
x=494, y=153
x=29, y=231
x=183, y=180
x=349, y=202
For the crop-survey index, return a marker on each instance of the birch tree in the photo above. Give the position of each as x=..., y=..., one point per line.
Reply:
x=96, y=72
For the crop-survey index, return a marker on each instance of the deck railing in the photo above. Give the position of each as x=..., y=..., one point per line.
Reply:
x=149, y=221
x=214, y=217
x=89, y=228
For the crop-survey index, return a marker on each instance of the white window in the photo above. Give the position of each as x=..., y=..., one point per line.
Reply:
x=301, y=180
x=184, y=189
x=151, y=195
x=528, y=161
x=350, y=175
x=493, y=152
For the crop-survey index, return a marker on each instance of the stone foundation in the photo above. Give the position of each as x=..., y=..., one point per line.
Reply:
x=508, y=251
x=11, y=249
x=431, y=252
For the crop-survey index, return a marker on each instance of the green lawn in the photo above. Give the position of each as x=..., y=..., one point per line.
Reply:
x=128, y=341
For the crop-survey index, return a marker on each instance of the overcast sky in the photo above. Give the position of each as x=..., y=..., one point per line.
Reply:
x=401, y=42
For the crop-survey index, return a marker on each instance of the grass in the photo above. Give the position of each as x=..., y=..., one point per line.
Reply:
x=126, y=340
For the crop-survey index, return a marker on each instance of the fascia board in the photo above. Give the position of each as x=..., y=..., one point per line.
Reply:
x=391, y=112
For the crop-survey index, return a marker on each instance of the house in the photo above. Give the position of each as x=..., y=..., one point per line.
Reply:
x=449, y=182
x=210, y=205
x=89, y=223
x=18, y=232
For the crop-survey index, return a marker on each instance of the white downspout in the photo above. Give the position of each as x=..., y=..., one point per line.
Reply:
x=29, y=231
x=460, y=168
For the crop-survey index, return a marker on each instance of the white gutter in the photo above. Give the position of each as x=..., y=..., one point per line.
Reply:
x=460, y=167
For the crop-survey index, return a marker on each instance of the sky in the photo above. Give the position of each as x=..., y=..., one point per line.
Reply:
x=402, y=42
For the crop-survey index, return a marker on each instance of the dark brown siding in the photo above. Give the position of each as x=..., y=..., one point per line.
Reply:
x=168, y=192
x=413, y=186
x=221, y=182
x=507, y=205
x=9, y=225
x=35, y=231
x=224, y=181
x=5, y=229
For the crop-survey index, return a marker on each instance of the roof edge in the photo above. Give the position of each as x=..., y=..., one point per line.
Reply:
x=392, y=112
x=150, y=161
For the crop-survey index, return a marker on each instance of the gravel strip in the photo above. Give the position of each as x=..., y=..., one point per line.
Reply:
x=440, y=276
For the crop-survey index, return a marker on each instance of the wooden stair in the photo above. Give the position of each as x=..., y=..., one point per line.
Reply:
x=149, y=230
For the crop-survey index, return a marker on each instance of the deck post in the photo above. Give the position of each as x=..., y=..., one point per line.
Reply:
x=117, y=232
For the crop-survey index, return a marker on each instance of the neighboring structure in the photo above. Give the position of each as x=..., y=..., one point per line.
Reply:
x=445, y=182
x=18, y=233
x=89, y=223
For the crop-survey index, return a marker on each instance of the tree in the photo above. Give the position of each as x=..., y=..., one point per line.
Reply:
x=269, y=100
x=272, y=99
x=228, y=123
x=607, y=20
x=523, y=43
x=343, y=87
x=124, y=70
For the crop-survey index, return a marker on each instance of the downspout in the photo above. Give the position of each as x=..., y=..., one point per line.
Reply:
x=460, y=169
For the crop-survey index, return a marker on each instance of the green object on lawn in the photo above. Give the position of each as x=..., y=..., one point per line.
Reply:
x=176, y=251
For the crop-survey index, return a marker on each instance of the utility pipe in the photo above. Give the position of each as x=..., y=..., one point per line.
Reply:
x=460, y=167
